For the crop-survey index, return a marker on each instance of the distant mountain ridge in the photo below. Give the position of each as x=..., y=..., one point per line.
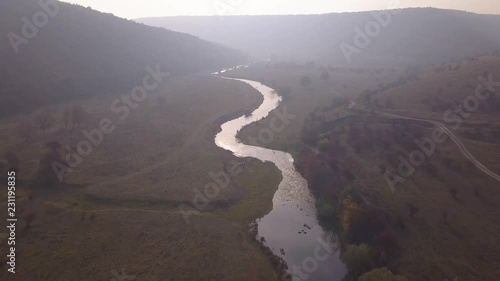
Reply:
x=78, y=52
x=409, y=36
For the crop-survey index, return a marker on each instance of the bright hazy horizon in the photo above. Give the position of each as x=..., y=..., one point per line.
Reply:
x=156, y=8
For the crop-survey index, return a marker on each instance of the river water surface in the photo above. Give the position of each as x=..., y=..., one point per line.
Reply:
x=291, y=229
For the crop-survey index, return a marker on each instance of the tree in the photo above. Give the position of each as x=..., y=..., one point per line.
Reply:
x=349, y=207
x=325, y=76
x=305, y=81
x=453, y=191
x=45, y=121
x=284, y=91
x=78, y=115
x=381, y=274
x=65, y=119
x=12, y=161
x=477, y=191
x=365, y=224
x=382, y=169
x=46, y=174
x=3, y=168
x=26, y=130
x=357, y=258
x=412, y=209
x=29, y=219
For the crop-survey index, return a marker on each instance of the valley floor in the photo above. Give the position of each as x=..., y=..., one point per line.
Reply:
x=440, y=222
x=141, y=204
x=118, y=210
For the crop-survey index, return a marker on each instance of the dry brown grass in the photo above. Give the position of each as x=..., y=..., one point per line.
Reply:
x=133, y=183
x=467, y=246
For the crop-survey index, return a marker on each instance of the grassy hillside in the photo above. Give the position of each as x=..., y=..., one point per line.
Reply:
x=81, y=53
x=440, y=223
x=446, y=94
x=120, y=207
x=407, y=36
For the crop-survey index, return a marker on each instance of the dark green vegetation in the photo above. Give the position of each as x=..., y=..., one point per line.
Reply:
x=82, y=53
x=442, y=221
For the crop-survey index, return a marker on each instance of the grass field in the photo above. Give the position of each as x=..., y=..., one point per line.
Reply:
x=119, y=208
x=344, y=84
x=465, y=245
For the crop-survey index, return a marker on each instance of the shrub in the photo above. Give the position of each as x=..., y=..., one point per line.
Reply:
x=46, y=174
x=305, y=81
x=357, y=259
x=381, y=274
x=45, y=121
x=325, y=76
x=365, y=224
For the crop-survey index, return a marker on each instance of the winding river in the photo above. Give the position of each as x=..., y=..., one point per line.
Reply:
x=291, y=229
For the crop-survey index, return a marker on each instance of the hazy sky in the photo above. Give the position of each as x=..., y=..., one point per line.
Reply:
x=149, y=8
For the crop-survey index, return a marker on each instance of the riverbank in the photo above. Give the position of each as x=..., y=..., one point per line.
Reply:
x=441, y=215
x=124, y=198
x=293, y=206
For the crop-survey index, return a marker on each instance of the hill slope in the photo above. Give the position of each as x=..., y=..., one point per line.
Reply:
x=79, y=52
x=407, y=36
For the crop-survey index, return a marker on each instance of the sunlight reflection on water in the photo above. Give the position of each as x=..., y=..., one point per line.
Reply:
x=291, y=229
